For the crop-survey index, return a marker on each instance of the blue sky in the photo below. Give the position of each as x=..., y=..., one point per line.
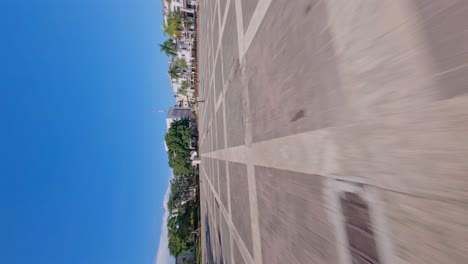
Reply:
x=83, y=168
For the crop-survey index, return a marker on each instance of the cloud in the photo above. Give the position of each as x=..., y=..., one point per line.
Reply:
x=163, y=256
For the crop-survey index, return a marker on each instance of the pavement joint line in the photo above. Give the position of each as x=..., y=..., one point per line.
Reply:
x=235, y=234
x=219, y=101
x=228, y=82
x=228, y=182
x=215, y=132
x=246, y=107
x=229, y=210
x=231, y=246
x=204, y=114
x=254, y=214
x=217, y=171
x=212, y=76
x=247, y=153
x=240, y=28
x=223, y=87
x=210, y=139
x=252, y=185
x=219, y=13
x=256, y=20
x=327, y=175
x=226, y=11
x=213, y=14
x=202, y=121
x=212, y=121
x=214, y=207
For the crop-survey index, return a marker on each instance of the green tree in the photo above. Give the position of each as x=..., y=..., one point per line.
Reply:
x=180, y=232
x=169, y=48
x=173, y=25
x=178, y=144
x=174, y=72
x=180, y=62
x=179, y=245
x=183, y=88
x=179, y=191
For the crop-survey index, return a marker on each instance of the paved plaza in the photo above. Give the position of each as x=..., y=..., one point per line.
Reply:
x=333, y=131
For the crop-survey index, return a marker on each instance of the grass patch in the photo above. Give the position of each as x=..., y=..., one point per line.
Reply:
x=198, y=251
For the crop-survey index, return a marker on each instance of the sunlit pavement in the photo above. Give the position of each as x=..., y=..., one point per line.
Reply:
x=334, y=130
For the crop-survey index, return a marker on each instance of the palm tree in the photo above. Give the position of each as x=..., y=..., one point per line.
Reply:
x=174, y=72
x=171, y=29
x=180, y=62
x=168, y=47
x=183, y=88
x=174, y=25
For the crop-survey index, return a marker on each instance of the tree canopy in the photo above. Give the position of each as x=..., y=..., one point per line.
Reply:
x=169, y=48
x=183, y=88
x=182, y=210
x=174, y=72
x=180, y=62
x=173, y=26
x=178, y=144
x=180, y=225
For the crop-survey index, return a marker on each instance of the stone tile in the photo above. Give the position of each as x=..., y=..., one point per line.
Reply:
x=229, y=41
x=294, y=225
x=234, y=113
x=427, y=231
x=444, y=25
x=293, y=81
x=248, y=8
x=215, y=32
x=240, y=203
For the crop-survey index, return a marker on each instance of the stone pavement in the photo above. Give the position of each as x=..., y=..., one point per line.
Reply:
x=334, y=131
